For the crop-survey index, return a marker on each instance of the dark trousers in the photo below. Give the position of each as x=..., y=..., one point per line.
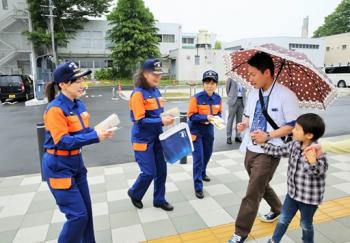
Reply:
x=234, y=111
x=153, y=168
x=203, y=148
x=260, y=168
x=289, y=209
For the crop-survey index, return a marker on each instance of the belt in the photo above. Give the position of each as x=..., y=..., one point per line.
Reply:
x=63, y=152
x=239, y=97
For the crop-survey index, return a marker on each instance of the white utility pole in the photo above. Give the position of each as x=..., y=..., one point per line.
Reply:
x=51, y=7
x=52, y=31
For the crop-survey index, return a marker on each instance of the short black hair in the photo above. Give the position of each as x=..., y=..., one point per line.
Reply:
x=312, y=123
x=262, y=61
x=208, y=80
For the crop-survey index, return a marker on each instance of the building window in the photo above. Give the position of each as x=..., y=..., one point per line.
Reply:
x=188, y=40
x=159, y=37
x=343, y=47
x=328, y=48
x=196, y=60
x=5, y=5
x=303, y=46
x=168, y=38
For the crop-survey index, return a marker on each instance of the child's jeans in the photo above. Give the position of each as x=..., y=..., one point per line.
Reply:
x=289, y=209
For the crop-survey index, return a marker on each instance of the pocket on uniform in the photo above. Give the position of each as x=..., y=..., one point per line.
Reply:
x=60, y=183
x=74, y=124
x=139, y=146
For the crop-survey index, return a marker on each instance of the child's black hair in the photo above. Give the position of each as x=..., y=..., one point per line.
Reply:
x=312, y=123
x=262, y=61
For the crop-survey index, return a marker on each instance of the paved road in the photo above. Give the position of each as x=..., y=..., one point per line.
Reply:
x=18, y=142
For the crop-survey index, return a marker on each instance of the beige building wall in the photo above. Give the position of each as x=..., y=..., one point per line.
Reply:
x=337, y=50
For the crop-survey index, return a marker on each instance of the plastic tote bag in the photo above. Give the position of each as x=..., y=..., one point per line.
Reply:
x=176, y=142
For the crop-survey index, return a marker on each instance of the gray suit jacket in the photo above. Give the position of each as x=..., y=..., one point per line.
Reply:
x=232, y=90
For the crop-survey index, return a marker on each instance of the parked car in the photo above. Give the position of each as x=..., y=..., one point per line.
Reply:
x=16, y=87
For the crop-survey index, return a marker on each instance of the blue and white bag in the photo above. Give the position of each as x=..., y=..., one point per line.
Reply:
x=176, y=142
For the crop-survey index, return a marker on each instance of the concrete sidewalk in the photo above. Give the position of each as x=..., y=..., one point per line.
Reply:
x=28, y=212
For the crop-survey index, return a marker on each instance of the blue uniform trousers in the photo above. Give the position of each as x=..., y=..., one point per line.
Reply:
x=74, y=202
x=203, y=148
x=153, y=167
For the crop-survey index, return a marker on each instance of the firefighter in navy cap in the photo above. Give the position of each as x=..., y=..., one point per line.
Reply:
x=146, y=105
x=202, y=109
x=67, y=131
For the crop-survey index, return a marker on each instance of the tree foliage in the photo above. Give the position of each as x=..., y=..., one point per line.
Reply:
x=133, y=35
x=218, y=45
x=336, y=23
x=70, y=17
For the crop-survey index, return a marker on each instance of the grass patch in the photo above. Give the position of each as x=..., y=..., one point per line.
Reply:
x=175, y=94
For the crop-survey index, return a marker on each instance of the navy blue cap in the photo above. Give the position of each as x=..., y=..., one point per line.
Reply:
x=153, y=65
x=68, y=71
x=211, y=75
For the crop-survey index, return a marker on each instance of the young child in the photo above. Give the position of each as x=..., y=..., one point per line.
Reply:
x=202, y=109
x=306, y=176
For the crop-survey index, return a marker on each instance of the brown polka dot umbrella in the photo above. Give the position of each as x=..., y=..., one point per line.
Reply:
x=293, y=69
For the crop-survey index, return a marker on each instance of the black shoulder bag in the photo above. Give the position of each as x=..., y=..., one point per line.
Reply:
x=270, y=120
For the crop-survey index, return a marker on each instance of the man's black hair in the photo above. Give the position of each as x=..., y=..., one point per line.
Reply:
x=262, y=61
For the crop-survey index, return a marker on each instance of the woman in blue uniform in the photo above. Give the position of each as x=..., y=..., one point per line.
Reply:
x=67, y=131
x=146, y=105
x=202, y=108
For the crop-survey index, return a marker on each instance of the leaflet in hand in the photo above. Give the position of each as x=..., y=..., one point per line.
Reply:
x=110, y=123
x=218, y=122
x=174, y=112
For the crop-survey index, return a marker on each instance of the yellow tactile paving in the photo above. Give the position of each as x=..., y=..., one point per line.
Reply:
x=328, y=211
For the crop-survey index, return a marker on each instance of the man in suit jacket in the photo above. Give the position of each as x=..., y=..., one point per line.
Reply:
x=235, y=102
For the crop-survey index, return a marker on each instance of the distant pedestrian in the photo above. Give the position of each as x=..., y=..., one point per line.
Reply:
x=236, y=96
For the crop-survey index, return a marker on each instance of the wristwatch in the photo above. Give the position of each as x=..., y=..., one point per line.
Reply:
x=268, y=136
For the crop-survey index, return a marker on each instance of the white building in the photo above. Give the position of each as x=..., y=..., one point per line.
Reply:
x=337, y=50
x=314, y=49
x=90, y=48
x=170, y=36
x=15, y=49
x=190, y=64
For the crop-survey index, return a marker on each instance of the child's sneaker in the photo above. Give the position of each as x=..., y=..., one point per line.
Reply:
x=269, y=217
x=237, y=239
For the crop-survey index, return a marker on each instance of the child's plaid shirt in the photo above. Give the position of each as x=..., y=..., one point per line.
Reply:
x=306, y=183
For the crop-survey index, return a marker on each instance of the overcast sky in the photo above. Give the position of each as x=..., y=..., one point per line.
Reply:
x=233, y=19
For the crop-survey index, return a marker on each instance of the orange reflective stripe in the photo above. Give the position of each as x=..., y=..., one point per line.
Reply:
x=194, y=137
x=74, y=124
x=204, y=109
x=86, y=118
x=56, y=123
x=161, y=101
x=151, y=104
x=192, y=107
x=137, y=106
x=216, y=109
x=63, y=152
x=60, y=183
x=139, y=146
